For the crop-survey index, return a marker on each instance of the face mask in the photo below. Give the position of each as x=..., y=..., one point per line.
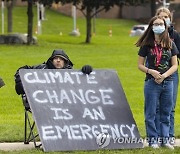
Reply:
x=168, y=21
x=158, y=29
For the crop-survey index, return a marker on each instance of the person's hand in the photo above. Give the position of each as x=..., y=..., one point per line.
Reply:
x=160, y=80
x=87, y=69
x=155, y=74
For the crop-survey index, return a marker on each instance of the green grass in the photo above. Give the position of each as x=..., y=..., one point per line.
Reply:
x=117, y=52
x=135, y=151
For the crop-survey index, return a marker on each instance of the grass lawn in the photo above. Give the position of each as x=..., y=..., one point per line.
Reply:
x=137, y=151
x=117, y=52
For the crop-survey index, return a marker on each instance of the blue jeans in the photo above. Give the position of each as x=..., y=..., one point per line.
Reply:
x=175, y=78
x=158, y=93
x=175, y=91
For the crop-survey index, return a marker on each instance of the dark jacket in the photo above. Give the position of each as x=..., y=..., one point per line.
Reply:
x=175, y=38
x=46, y=65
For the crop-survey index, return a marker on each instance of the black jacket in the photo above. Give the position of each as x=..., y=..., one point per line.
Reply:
x=46, y=65
x=175, y=38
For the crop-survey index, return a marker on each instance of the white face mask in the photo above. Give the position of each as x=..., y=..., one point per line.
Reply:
x=158, y=29
x=168, y=21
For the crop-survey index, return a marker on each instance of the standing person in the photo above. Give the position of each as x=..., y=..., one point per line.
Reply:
x=161, y=54
x=175, y=37
x=1, y=82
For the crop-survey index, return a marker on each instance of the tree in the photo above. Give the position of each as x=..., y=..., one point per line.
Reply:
x=30, y=22
x=87, y=7
x=153, y=7
x=30, y=16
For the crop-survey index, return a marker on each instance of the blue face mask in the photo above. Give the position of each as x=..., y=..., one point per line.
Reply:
x=168, y=21
x=158, y=29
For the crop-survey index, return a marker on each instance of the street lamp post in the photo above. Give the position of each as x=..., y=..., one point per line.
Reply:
x=74, y=31
x=38, y=19
x=2, y=9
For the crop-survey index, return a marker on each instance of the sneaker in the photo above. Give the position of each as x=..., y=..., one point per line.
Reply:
x=172, y=140
x=154, y=146
x=169, y=146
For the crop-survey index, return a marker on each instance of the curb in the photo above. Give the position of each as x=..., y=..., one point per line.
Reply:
x=16, y=146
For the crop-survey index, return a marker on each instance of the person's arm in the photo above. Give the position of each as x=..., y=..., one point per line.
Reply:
x=144, y=69
x=141, y=66
x=172, y=69
x=18, y=84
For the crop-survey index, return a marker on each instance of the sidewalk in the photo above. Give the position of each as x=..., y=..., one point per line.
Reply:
x=21, y=146
x=16, y=146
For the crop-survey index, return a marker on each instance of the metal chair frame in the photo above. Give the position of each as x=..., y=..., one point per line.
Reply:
x=29, y=125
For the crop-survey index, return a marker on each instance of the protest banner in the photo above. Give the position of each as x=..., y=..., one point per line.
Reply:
x=76, y=111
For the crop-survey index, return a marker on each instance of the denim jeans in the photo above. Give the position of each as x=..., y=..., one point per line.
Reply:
x=158, y=93
x=175, y=78
x=175, y=91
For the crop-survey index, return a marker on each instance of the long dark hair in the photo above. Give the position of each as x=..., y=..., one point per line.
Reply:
x=148, y=37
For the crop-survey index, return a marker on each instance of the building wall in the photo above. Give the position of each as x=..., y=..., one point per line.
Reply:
x=112, y=13
x=136, y=12
x=67, y=10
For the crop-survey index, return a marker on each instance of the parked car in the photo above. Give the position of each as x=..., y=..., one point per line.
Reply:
x=15, y=39
x=138, y=30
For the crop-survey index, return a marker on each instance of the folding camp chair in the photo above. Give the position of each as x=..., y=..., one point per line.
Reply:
x=29, y=134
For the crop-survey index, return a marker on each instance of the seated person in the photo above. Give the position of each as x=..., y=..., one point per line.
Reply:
x=58, y=60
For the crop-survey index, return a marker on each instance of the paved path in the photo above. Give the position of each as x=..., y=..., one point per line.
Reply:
x=16, y=146
x=21, y=146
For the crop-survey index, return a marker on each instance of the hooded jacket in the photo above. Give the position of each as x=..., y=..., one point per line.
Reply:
x=46, y=65
x=49, y=63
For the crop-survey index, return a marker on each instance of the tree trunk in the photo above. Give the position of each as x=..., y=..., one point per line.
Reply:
x=30, y=22
x=9, y=16
x=88, y=25
x=153, y=7
x=120, y=11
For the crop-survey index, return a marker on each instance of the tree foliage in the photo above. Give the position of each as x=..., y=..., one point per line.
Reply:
x=89, y=8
